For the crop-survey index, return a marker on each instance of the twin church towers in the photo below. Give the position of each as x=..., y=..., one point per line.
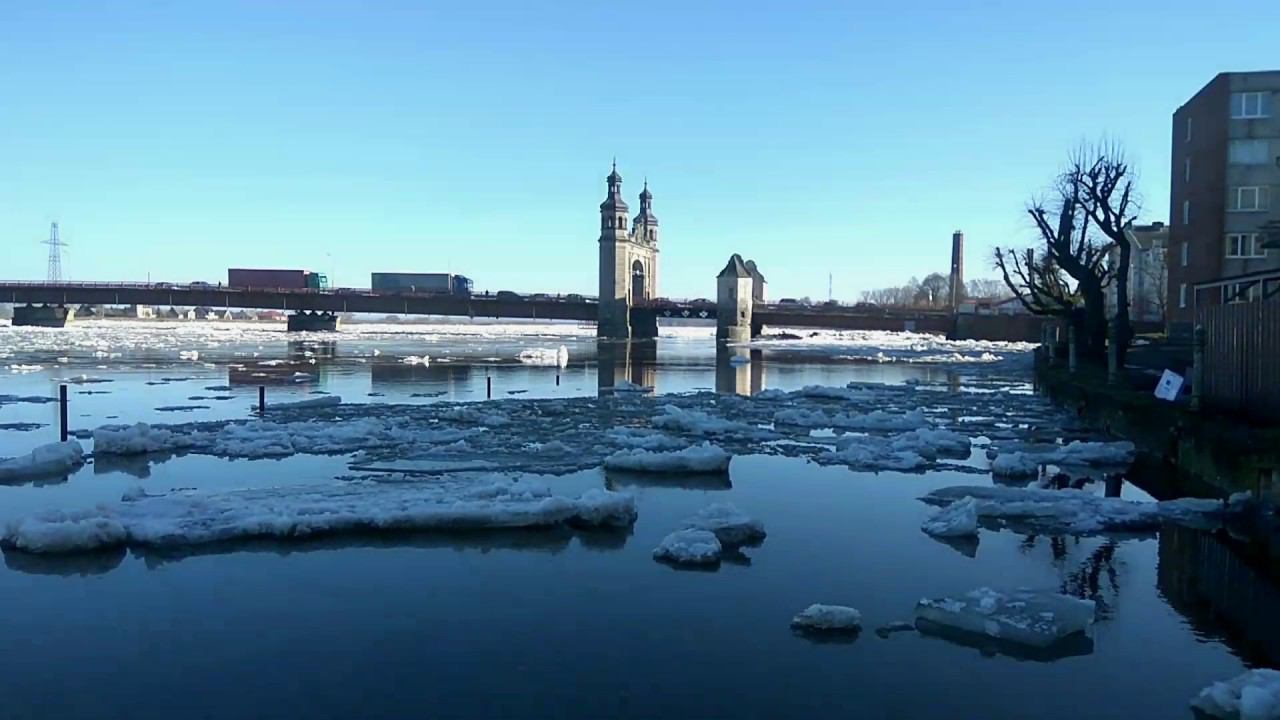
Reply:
x=628, y=260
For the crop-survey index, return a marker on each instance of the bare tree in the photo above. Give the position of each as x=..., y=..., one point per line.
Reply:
x=986, y=288
x=934, y=291
x=1155, y=275
x=1094, y=199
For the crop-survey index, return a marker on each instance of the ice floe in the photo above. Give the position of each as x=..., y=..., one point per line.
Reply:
x=959, y=519
x=1075, y=511
x=1024, y=617
x=730, y=525
x=1252, y=695
x=190, y=518
x=310, y=403
x=699, y=458
x=45, y=460
x=828, y=618
x=689, y=547
x=555, y=357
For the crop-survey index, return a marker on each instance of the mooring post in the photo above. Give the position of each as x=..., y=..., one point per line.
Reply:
x=488, y=387
x=1071, y=347
x=262, y=399
x=557, y=379
x=62, y=412
x=1197, y=367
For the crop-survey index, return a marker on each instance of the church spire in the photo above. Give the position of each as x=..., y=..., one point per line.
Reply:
x=613, y=211
x=645, y=219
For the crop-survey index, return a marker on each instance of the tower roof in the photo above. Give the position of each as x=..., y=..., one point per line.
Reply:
x=614, y=203
x=755, y=271
x=646, y=216
x=735, y=268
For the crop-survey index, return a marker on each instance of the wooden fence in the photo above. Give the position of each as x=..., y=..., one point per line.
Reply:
x=1242, y=358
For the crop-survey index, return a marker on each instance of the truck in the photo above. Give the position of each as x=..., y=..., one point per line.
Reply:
x=277, y=279
x=421, y=283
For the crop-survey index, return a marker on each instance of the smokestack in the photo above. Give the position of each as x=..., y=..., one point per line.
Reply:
x=957, y=270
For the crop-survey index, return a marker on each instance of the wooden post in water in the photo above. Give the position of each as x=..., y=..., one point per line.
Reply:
x=557, y=379
x=62, y=412
x=1197, y=367
x=1071, y=347
x=488, y=387
x=262, y=399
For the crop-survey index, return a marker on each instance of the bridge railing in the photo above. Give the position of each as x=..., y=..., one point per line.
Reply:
x=219, y=287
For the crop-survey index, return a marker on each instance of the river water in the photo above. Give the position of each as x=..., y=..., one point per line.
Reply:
x=565, y=624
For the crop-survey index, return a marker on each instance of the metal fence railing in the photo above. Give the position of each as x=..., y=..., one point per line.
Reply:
x=1242, y=357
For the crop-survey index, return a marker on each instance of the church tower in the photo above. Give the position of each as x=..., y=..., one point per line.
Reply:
x=628, y=258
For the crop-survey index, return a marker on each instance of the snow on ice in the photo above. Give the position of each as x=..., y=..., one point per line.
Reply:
x=704, y=458
x=1252, y=695
x=959, y=519
x=1077, y=512
x=689, y=547
x=696, y=422
x=52, y=459
x=1025, y=617
x=730, y=525
x=316, y=402
x=190, y=518
x=828, y=618
x=555, y=357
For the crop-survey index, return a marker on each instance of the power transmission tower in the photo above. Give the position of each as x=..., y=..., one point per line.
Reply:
x=829, y=298
x=55, y=254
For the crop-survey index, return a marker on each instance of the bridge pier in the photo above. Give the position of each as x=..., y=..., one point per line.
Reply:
x=54, y=316
x=307, y=321
x=644, y=324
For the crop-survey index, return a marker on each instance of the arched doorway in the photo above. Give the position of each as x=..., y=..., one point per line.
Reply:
x=637, y=282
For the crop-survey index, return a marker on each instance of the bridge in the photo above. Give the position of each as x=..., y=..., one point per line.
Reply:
x=628, y=305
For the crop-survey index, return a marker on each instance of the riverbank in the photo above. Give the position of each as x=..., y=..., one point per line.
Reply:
x=1204, y=452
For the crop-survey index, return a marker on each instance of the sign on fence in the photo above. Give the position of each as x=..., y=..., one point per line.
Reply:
x=1169, y=386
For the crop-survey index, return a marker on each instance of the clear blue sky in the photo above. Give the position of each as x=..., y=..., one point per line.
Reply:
x=179, y=138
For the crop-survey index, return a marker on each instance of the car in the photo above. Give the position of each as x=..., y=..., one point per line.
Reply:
x=162, y=286
x=574, y=297
x=831, y=304
x=508, y=295
x=540, y=296
x=200, y=285
x=788, y=301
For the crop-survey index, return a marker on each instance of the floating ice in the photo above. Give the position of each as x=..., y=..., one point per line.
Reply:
x=959, y=519
x=557, y=357
x=1252, y=695
x=188, y=355
x=644, y=439
x=730, y=525
x=828, y=392
x=881, y=420
x=1025, y=617
x=739, y=360
x=1075, y=511
x=416, y=360
x=469, y=414
x=831, y=618
x=696, y=422
x=138, y=439
x=1095, y=453
x=931, y=443
x=51, y=459
x=861, y=452
x=626, y=386
x=189, y=518
x=1015, y=465
x=699, y=458
x=316, y=402
x=689, y=547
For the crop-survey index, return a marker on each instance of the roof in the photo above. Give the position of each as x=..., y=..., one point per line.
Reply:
x=735, y=268
x=755, y=271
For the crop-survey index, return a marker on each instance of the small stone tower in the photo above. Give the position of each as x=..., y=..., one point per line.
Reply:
x=734, y=287
x=628, y=258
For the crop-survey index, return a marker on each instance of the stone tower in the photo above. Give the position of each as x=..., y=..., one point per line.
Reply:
x=628, y=259
x=733, y=301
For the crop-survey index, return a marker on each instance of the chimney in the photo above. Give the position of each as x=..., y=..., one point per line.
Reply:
x=957, y=270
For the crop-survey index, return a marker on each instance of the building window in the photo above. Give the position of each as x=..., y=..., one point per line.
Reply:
x=1245, y=245
x=1186, y=170
x=1188, y=129
x=1249, y=105
x=1186, y=212
x=1249, y=198
x=1249, y=152
x=1182, y=295
x=1185, y=252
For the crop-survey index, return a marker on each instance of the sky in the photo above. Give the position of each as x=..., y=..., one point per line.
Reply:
x=172, y=140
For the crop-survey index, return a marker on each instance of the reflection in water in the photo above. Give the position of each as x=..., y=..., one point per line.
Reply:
x=620, y=479
x=1071, y=646
x=551, y=540
x=1223, y=596
x=739, y=371
x=452, y=375
x=302, y=357
x=635, y=361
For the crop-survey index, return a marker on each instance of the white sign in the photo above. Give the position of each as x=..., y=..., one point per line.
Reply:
x=1169, y=387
